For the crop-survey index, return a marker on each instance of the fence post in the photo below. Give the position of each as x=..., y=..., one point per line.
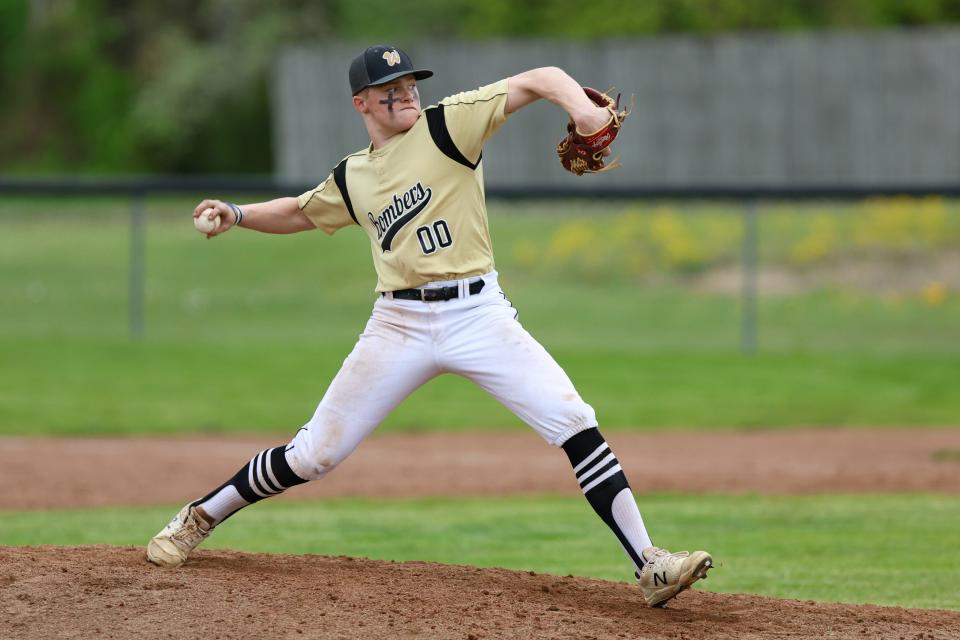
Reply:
x=748, y=312
x=137, y=246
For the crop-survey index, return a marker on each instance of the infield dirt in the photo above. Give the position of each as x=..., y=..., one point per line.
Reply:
x=83, y=472
x=112, y=592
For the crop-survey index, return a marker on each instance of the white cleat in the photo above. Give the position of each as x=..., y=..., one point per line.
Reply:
x=666, y=574
x=172, y=546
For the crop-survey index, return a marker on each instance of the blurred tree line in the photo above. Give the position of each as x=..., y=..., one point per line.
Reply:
x=111, y=86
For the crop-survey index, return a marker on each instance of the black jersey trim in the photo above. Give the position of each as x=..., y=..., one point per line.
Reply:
x=340, y=177
x=437, y=122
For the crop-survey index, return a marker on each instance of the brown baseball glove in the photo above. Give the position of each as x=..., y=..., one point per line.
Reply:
x=582, y=153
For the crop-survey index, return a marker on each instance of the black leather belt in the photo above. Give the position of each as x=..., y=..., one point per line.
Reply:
x=436, y=294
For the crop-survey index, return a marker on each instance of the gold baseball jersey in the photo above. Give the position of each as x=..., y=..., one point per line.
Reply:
x=420, y=198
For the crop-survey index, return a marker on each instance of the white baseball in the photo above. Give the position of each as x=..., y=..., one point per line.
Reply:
x=204, y=224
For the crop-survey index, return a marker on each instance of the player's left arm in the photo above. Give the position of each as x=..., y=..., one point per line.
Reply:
x=555, y=85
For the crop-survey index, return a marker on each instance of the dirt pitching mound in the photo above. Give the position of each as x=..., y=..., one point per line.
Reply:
x=112, y=592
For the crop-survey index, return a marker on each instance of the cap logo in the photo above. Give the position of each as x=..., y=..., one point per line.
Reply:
x=392, y=58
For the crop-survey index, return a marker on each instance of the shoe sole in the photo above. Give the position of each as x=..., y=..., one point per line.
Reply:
x=699, y=572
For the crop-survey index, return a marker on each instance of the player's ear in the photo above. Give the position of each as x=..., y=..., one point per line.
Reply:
x=360, y=101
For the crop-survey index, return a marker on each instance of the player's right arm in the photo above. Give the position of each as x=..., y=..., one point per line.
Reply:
x=282, y=215
x=555, y=85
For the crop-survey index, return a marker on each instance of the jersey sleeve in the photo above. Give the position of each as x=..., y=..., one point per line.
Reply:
x=473, y=116
x=324, y=206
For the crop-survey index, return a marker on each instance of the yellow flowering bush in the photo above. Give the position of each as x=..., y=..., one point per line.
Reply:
x=686, y=239
x=819, y=242
x=676, y=246
x=904, y=224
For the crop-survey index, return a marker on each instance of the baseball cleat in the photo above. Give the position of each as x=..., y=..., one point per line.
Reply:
x=172, y=546
x=666, y=574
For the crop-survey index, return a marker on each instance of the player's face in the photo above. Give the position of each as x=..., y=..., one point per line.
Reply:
x=395, y=105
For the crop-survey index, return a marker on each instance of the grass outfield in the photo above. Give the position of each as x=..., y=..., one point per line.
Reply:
x=893, y=550
x=243, y=333
x=70, y=388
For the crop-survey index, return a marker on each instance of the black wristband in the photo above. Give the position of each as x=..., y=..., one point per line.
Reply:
x=237, y=211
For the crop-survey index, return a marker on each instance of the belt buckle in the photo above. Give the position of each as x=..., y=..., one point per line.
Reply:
x=438, y=294
x=432, y=295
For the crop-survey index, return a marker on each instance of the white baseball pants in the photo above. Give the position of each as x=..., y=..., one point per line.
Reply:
x=407, y=343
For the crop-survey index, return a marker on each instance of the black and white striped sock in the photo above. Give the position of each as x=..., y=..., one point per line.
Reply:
x=605, y=486
x=267, y=474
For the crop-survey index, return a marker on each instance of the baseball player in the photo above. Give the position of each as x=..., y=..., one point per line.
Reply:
x=417, y=192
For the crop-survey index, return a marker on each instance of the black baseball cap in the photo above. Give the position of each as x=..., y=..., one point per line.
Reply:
x=381, y=64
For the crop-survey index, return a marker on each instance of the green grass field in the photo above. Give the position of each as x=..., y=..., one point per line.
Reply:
x=895, y=550
x=243, y=333
x=118, y=388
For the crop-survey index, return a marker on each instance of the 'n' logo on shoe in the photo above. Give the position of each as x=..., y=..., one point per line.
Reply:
x=659, y=578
